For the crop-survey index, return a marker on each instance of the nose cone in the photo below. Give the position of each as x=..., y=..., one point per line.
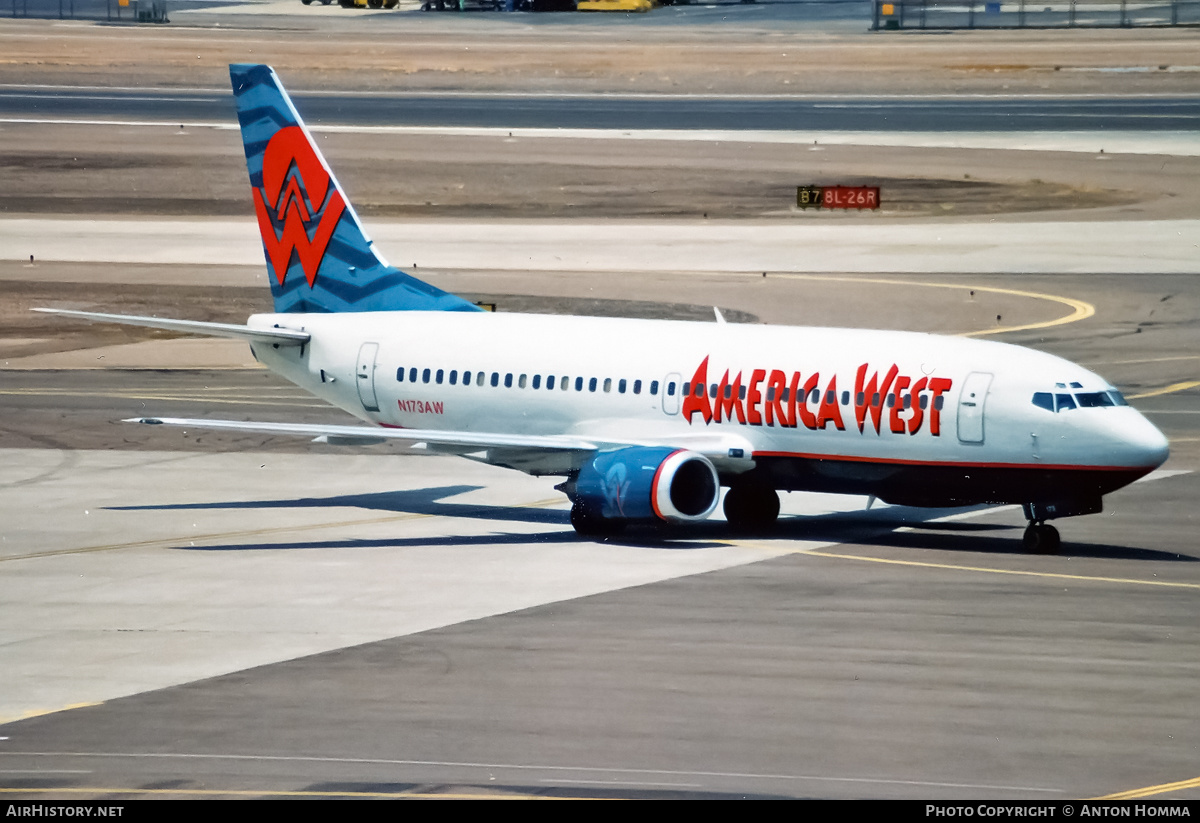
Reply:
x=1144, y=444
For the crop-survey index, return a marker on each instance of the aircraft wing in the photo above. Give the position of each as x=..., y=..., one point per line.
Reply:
x=537, y=454
x=282, y=337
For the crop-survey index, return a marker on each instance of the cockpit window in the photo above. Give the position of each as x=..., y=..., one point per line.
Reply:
x=1081, y=400
x=1092, y=400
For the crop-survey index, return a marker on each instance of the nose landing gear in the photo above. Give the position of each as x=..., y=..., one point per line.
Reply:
x=1041, y=538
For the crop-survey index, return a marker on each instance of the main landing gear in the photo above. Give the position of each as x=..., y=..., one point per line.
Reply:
x=1041, y=538
x=751, y=508
x=588, y=523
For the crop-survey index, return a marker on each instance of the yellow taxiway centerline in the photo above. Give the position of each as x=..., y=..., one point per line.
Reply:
x=1080, y=310
x=1171, y=389
x=988, y=570
x=1148, y=791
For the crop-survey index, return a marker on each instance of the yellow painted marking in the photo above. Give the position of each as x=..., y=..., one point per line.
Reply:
x=1162, y=788
x=988, y=570
x=1171, y=389
x=1080, y=310
x=489, y=795
x=42, y=712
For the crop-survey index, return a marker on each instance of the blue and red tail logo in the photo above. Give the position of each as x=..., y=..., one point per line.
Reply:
x=298, y=208
x=305, y=218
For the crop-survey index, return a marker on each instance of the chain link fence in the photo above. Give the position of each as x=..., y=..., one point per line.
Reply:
x=130, y=11
x=1039, y=14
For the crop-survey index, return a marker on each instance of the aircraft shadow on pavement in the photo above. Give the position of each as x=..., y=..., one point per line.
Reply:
x=875, y=527
x=429, y=501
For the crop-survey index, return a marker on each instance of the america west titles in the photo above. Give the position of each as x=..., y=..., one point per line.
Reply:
x=894, y=403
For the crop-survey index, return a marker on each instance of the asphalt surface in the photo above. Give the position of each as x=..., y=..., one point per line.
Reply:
x=193, y=615
x=631, y=111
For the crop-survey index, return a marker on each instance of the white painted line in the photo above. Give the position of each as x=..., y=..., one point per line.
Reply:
x=541, y=767
x=1177, y=143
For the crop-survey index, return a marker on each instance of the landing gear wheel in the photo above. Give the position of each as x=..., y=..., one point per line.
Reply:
x=589, y=524
x=751, y=508
x=1041, y=539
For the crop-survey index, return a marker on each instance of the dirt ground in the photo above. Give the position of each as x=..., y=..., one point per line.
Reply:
x=82, y=170
x=411, y=52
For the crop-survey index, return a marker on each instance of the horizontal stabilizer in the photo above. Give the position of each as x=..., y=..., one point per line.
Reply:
x=281, y=337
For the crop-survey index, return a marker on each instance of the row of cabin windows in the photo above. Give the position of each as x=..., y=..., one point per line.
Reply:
x=522, y=381
x=440, y=376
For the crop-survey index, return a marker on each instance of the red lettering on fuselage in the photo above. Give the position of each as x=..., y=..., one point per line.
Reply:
x=729, y=399
x=697, y=401
x=905, y=404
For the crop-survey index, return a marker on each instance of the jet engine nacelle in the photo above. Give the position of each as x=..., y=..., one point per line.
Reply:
x=647, y=483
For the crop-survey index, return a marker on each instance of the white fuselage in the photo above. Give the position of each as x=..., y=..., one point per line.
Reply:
x=922, y=399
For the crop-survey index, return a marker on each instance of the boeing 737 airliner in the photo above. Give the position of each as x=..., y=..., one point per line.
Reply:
x=649, y=426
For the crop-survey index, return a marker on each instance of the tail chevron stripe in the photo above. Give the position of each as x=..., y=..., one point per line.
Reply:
x=318, y=254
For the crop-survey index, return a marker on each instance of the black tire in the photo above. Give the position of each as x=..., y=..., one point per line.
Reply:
x=1041, y=539
x=751, y=508
x=306, y=2
x=375, y=4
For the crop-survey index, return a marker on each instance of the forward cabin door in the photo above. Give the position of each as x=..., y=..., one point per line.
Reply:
x=366, y=376
x=970, y=407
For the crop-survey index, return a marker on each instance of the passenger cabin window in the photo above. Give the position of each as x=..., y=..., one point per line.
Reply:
x=400, y=375
x=495, y=379
x=425, y=376
x=508, y=380
x=454, y=377
x=521, y=382
x=654, y=388
x=621, y=386
x=412, y=375
x=441, y=373
x=608, y=384
x=479, y=376
x=578, y=384
x=537, y=381
x=637, y=386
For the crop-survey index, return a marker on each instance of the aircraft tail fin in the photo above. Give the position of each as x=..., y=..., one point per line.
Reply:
x=318, y=255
